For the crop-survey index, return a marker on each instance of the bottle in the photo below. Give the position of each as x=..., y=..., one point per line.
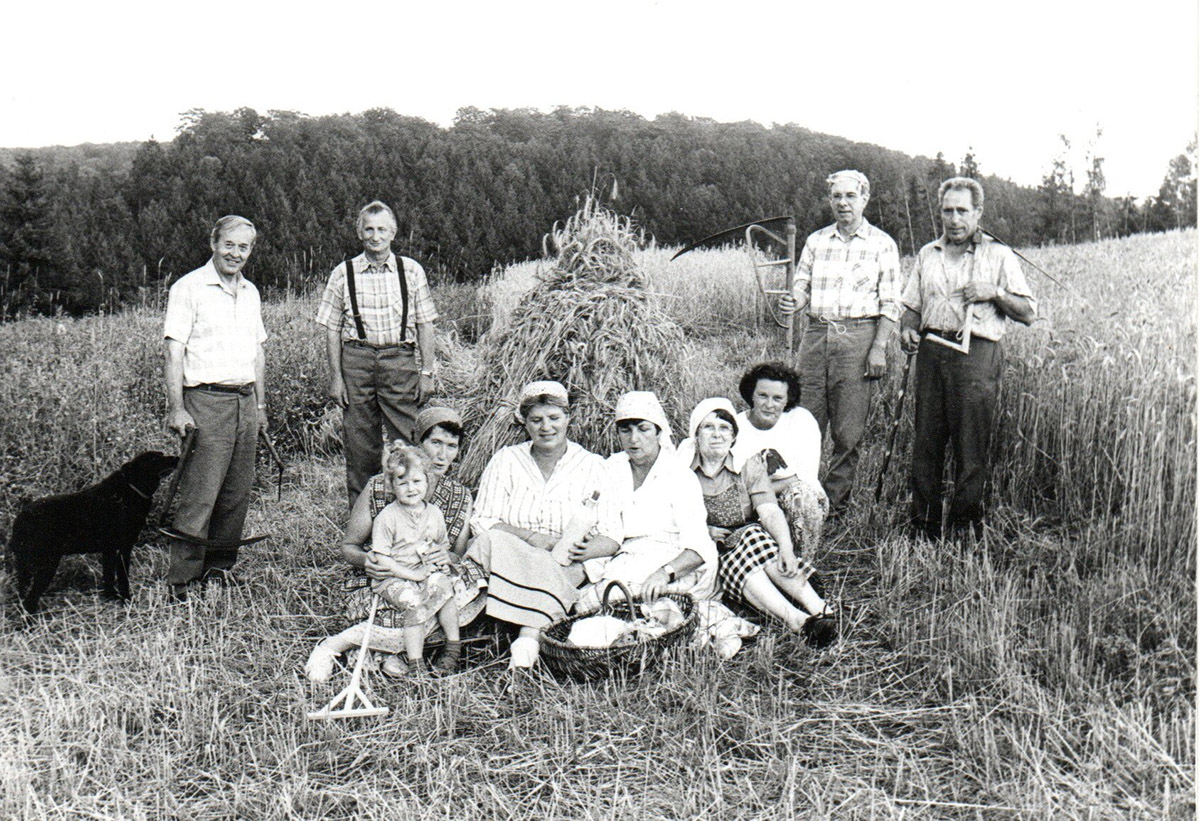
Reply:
x=580, y=524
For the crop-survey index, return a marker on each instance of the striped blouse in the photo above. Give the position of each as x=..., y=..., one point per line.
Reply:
x=513, y=491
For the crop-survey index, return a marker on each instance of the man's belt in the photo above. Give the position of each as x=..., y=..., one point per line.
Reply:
x=399, y=346
x=212, y=387
x=854, y=320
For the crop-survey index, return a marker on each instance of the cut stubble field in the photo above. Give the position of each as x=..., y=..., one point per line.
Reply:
x=1047, y=670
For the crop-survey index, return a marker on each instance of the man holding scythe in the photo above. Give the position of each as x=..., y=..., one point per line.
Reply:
x=965, y=289
x=848, y=281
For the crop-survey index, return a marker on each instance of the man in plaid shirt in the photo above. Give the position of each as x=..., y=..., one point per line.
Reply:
x=848, y=282
x=379, y=341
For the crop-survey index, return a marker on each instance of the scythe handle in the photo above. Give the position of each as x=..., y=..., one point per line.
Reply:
x=791, y=279
x=185, y=450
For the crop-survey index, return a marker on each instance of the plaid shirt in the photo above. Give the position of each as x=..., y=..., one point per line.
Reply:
x=380, y=302
x=220, y=326
x=935, y=291
x=849, y=278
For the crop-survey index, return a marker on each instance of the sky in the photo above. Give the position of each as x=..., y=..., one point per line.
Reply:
x=1001, y=79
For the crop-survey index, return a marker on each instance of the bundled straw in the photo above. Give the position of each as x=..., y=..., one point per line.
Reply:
x=590, y=324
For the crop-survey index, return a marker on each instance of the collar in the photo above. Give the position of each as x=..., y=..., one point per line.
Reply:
x=389, y=265
x=974, y=242
x=728, y=464
x=863, y=231
x=209, y=276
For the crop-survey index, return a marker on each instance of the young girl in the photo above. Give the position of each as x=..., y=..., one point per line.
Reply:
x=407, y=531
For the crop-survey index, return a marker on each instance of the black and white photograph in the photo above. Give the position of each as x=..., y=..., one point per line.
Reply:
x=640, y=409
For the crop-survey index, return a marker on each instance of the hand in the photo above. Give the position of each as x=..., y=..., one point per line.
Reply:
x=180, y=421
x=262, y=419
x=542, y=541
x=337, y=390
x=424, y=388
x=876, y=362
x=979, y=291
x=380, y=567
x=655, y=585
x=787, y=304
x=718, y=533
x=437, y=556
x=910, y=340
x=788, y=563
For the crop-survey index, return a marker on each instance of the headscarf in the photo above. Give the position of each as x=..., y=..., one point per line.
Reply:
x=545, y=387
x=434, y=416
x=645, y=405
x=704, y=408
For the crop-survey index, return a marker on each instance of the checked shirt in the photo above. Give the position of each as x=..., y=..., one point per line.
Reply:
x=850, y=278
x=379, y=301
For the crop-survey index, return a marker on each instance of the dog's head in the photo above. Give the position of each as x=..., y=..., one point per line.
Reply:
x=146, y=470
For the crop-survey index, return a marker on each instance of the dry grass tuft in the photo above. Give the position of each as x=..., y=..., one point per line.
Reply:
x=588, y=323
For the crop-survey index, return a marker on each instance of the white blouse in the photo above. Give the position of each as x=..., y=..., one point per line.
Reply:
x=796, y=437
x=513, y=491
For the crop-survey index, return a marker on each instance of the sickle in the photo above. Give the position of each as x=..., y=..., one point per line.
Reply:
x=737, y=229
x=172, y=533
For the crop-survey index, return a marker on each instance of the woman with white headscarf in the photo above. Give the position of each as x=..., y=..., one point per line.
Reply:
x=527, y=496
x=665, y=544
x=758, y=563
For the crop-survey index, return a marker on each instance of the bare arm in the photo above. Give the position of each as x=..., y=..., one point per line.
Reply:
x=178, y=419
x=772, y=518
x=427, y=346
x=260, y=385
x=356, y=541
x=333, y=353
x=876, y=365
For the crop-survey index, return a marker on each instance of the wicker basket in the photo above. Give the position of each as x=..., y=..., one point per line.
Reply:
x=587, y=663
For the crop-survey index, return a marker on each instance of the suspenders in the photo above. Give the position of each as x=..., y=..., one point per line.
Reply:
x=358, y=323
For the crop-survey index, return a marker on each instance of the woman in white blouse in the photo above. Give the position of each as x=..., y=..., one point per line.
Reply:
x=787, y=439
x=527, y=495
x=665, y=546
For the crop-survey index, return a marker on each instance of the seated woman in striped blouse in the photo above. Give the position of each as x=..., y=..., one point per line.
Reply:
x=527, y=495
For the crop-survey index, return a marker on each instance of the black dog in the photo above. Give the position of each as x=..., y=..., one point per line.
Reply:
x=103, y=518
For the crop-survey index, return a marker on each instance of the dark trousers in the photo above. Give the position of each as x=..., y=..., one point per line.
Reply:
x=833, y=359
x=382, y=386
x=956, y=403
x=214, y=490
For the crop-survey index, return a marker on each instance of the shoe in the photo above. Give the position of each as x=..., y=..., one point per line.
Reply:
x=397, y=666
x=820, y=630
x=525, y=651
x=222, y=577
x=319, y=666
x=447, y=662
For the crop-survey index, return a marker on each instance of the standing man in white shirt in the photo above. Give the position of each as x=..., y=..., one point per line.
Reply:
x=215, y=365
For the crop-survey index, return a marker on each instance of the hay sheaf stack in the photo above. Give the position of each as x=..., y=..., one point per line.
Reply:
x=590, y=324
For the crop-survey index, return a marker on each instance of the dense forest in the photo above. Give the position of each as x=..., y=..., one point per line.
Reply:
x=93, y=227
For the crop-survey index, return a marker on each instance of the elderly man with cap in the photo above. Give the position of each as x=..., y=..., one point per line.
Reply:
x=966, y=288
x=665, y=545
x=379, y=320
x=530, y=496
x=214, y=371
x=848, y=281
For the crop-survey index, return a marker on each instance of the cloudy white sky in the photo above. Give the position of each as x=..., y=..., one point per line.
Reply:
x=1003, y=78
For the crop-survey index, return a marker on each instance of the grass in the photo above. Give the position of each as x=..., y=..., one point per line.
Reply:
x=1048, y=671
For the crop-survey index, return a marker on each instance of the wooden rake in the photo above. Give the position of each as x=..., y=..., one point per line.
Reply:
x=353, y=701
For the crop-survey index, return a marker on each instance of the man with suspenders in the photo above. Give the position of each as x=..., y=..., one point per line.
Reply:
x=378, y=315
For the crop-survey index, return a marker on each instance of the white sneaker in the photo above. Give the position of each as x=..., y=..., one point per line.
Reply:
x=524, y=652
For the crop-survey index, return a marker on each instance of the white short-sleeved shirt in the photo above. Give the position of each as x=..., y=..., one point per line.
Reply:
x=219, y=325
x=796, y=437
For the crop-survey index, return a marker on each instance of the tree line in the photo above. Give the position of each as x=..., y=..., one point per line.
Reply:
x=97, y=226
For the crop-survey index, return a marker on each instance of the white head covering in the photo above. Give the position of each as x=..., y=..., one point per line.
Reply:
x=645, y=405
x=543, y=388
x=704, y=408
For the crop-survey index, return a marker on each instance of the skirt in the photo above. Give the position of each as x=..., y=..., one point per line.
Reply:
x=744, y=552
x=805, y=506
x=467, y=584
x=525, y=585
